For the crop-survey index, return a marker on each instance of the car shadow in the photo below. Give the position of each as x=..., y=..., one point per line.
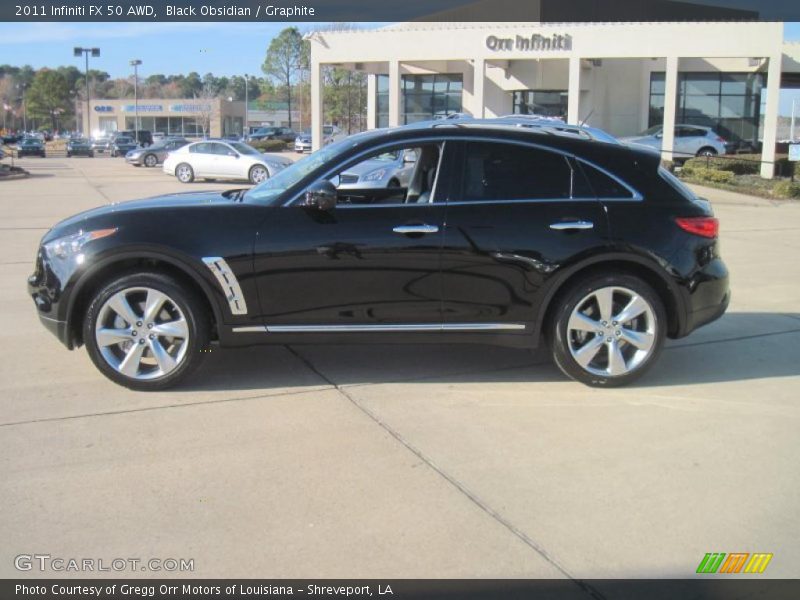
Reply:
x=738, y=347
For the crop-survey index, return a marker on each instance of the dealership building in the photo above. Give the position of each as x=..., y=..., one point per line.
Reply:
x=620, y=77
x=174, y=116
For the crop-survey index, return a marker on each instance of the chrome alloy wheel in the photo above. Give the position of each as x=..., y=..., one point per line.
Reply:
x=611, y=331
x=184, y=173
x=258, y=174
x=142, y=333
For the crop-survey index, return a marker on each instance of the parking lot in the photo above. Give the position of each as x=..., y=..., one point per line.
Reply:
x=432, y=461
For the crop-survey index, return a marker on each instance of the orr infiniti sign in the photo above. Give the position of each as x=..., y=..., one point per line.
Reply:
x=533, y=42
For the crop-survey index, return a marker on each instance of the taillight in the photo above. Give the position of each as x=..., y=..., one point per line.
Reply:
x=721, y=139
x=707, y=227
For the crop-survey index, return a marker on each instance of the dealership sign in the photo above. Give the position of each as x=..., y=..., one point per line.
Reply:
x=104, y=108
x=530, y=43
x=190, y=108
x=142, y=108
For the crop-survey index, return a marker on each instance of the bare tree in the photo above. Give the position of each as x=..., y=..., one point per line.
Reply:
x=207, y=107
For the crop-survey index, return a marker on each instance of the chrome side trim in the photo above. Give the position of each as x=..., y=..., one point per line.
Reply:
x=571, y=225
x=412, y=229
x=381, y=328
x=230, y=285
x=250, y=329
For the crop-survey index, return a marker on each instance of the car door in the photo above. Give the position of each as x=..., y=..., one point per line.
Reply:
x=687, y=141
x=202, y=159
x=356, y=268
x=518, y=214
x=227, y=162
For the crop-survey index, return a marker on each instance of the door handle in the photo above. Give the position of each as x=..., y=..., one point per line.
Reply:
x=418, y=229
x=568, y=225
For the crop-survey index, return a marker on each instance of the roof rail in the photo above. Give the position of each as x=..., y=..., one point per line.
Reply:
x=534, y=124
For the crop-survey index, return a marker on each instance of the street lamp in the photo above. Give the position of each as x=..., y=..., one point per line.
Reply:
x=246, y=132
x=95, y=52
x=21, y=87
x=135, y=64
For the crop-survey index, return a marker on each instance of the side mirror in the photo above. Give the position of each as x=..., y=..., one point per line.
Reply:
x=321, y=196
x=409, y=157
x=658, y=136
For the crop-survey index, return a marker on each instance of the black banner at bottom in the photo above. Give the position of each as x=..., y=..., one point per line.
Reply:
x=402, y=589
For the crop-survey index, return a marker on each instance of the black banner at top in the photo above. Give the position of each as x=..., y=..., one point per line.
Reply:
x=563, y=11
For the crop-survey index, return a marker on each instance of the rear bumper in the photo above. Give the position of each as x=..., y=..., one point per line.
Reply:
x=708, y=296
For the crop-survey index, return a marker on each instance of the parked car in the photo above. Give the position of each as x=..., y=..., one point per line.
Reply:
x=690, y=141
x=11, y=138
x=143, y=136
x=389, y=170
x=220, y=159
x=31, y=147
x=156, y=153
x=502, y=235
x=330, y=133
x=272, y=133
x=101, y=144
x=122, y=145
x=79, y=147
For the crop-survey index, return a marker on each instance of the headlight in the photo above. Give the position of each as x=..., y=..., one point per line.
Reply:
x=71, y=245
x=376, y=175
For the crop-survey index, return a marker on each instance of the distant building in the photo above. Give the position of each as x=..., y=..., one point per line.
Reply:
x=262, y=114
x=170, y=116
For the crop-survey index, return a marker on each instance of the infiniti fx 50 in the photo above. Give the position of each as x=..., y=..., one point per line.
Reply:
x=504, y=233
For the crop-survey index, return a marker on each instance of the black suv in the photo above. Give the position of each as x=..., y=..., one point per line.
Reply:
x=507, y=232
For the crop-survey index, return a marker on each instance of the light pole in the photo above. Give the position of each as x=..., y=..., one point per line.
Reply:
x=22, y=87
x=95, y=52
x=791, y=127
x=135, y=64
x=246, y=132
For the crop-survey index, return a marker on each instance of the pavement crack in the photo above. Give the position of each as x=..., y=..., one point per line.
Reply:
x=735, y=339
x=152, y=408
x=458, y=485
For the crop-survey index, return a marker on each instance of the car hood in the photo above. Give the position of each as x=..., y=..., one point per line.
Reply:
x=645, y=140
x=283, y=161
x=105, y=213
x=368, y=166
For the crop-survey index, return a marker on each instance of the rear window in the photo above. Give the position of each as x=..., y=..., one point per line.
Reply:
x=677, y=184
x=605, y=186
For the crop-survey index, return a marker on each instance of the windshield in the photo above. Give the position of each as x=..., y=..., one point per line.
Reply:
x=274, y=186
x=244, y=148
x=124, y=140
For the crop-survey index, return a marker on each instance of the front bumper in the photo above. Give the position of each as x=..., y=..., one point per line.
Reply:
x=134, y=160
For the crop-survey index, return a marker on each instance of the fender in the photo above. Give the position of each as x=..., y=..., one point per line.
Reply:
x=183, y=264
x=563, y=276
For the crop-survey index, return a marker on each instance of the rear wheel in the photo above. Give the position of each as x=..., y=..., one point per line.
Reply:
x=151, y=160
x=146, y=331
x=258, y=174
x=608, y=330
x=707, y=151
x=184, y=173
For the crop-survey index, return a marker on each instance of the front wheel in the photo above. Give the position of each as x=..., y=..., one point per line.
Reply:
x=150, y=160
x=258, y=174
x=145, y=331
x=184, y=173
x=608, y=330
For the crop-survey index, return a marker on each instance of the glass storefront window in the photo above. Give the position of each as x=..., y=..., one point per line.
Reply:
x=422, y=97
x=547, y=103
x=729, y=103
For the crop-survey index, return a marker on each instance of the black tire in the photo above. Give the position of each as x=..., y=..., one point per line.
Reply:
x=197, y=319
x=394, y=183
x=558, y=334
x=150, y=160
x=189, y=173
x=253, y=177
x=707, y=151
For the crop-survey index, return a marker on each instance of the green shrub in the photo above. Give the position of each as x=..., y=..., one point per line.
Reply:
x=711, y=175
x=787, y=189
x=269, y=145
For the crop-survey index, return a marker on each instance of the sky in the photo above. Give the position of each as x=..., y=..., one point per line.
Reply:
x=173, y=48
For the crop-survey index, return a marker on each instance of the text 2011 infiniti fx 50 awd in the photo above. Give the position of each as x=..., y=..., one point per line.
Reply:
x=507, y=232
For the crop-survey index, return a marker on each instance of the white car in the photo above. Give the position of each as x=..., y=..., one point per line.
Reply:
x=222, y=159
x=690, y=141
x=330, y=134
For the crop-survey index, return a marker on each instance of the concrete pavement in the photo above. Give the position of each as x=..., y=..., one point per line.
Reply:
x=432, y=461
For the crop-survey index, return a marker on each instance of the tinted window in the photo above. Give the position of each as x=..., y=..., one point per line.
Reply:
x=604, y=186
x=221, y=149
x=496, y=171
x=203, y=148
